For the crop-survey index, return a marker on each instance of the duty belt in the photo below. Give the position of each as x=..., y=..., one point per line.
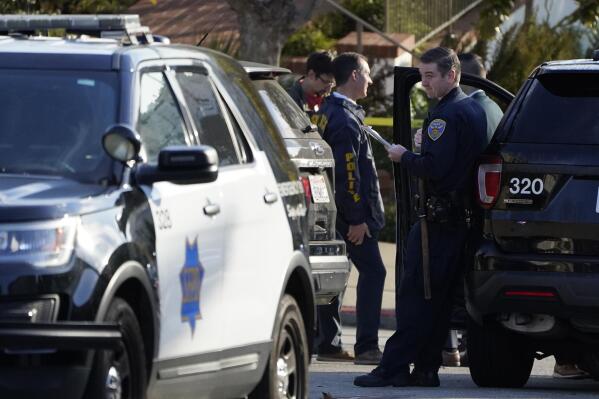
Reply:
x=444, y=209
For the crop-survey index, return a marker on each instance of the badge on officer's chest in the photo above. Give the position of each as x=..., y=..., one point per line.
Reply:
x=436, y=129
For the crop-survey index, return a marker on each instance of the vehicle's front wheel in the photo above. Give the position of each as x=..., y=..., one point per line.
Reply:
x=497, y=357
x=121, y=373
x=286, y=375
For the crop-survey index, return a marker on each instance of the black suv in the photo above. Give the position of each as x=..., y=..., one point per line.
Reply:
x=532, y=278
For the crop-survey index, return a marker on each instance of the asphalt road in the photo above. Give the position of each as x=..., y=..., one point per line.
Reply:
x=336, y=379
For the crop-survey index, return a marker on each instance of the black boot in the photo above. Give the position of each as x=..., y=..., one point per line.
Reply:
x=424, y=379
x=379, y=378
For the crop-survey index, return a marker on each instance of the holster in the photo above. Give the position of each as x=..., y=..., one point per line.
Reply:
x=446, y=208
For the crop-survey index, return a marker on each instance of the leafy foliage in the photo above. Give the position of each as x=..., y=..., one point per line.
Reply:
x=521, y=50
x=306, y=40
x=337, y=25
x=322, y=31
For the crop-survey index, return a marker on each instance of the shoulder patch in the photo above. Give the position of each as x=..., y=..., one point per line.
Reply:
x=436, y=129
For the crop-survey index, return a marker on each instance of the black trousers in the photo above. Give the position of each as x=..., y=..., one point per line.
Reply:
x=369, y=296
x=422, y=325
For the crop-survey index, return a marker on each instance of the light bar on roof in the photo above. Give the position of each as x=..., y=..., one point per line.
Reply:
x=71, y=23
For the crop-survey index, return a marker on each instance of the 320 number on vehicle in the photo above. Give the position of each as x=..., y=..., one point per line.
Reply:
x=526, y=186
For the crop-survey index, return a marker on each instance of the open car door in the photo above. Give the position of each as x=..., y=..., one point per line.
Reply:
x=410, y=106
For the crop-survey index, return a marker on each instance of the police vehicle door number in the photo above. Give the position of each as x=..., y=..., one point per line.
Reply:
x=320, y=195
x=164, y=219
x=526, y=186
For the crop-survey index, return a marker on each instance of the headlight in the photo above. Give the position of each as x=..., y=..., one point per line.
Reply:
x=40, y=244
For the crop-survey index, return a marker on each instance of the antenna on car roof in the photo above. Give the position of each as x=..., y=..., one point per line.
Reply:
x=103, y=25
x=596, y=55
x=209, y=31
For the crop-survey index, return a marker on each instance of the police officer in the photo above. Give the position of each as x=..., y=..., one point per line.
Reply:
x=454, y=134
x=309, y=90
x=360, y=215
x=473, y=64
x=308, y=93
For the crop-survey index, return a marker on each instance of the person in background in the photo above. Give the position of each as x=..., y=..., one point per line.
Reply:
x=473, y=64
x=309, y=90
x=360, y=215
x=308, y=93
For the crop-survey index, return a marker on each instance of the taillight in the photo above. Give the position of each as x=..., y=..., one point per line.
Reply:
x=307, y=190
x=488, y=180
x=530, y=294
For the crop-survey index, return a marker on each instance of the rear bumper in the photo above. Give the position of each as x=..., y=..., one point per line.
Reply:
x=330, y=272
x=497, y=276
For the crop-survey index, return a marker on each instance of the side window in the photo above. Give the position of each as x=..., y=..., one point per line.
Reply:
x=208, y=115
x=160, y=123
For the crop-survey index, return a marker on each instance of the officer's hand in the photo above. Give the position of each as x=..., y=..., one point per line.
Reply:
x=356, y=233
x=396, y=151
x=418, y=137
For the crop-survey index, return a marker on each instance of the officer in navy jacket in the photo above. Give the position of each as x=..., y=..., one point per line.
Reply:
x=454, y=134
x=360, y=214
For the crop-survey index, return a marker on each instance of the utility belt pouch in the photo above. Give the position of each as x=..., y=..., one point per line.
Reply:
x=439, y=210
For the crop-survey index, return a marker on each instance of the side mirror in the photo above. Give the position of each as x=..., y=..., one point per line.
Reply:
x=121, y=143
x=181, y=165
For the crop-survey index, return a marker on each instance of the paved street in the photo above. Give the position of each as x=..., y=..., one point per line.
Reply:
x=336, y=379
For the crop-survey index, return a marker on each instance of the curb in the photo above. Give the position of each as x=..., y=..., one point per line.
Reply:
x=348, y=317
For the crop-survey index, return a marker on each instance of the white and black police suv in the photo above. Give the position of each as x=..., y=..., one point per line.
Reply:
x=532, y=273
x=153, y=230
x=314, y=159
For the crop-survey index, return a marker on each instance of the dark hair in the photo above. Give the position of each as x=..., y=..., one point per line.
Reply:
x=472, y=63
x=445, y=58
x=320, y=63
x=344, y=64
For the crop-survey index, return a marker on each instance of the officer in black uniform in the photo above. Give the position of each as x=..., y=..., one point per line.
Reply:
x=454, y=134
x=360, y=214
x=473, y=64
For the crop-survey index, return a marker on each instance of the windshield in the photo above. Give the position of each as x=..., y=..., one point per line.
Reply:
x=560, y=108
x=286, y=113
x=51, y=122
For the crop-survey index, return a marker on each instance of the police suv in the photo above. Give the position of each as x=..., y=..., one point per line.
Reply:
x=314, y=159
x=152, y=226
x=532, y=278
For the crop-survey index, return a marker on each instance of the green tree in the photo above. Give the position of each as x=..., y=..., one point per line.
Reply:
x=322, y=32
x=521, y=50
x=265, y=26
x=524, y=47
x=307, y=39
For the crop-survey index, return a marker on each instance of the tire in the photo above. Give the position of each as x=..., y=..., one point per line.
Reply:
x=497, y=357
x=121, y=373
x=590, y=363
x=286, y=375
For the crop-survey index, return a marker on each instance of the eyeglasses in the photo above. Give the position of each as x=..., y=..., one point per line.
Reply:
x=327, y=82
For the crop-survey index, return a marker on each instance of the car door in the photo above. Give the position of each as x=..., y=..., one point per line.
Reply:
x=408, y=100
x=189, y=234
x=257, y=231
